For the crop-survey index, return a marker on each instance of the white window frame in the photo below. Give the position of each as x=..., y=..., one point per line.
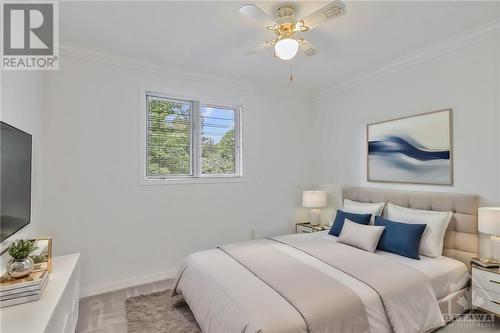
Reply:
x=195, y=176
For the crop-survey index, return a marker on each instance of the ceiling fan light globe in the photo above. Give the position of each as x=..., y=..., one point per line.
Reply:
x=286, y=48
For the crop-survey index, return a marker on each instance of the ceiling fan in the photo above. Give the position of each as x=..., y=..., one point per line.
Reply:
x=287, y=43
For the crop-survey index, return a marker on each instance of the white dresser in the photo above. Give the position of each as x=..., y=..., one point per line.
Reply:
x=57, y=309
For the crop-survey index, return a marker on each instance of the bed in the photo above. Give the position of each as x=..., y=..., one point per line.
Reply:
x=312, y=283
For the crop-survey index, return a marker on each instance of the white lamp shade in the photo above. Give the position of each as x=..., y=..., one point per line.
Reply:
x=286, y=48
x=314, y=199
x=489, y=220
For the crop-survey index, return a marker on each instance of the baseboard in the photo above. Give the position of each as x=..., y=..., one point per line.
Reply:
x=127, y=283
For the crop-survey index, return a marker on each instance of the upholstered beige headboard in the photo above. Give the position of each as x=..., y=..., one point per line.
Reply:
x=461, y=241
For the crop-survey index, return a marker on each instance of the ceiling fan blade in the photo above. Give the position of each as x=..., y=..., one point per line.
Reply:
x=330, y=11
x=255, y=13
x=307, y=48
x=260, y=47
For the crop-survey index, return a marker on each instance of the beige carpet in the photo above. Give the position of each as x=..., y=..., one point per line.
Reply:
x=159, y=313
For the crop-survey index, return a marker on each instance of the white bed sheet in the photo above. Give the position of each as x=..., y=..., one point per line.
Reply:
x=243, y=297
x=447, y=275
x=208, y=298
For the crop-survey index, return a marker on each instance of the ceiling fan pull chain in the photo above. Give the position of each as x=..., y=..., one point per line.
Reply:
x=291, y=73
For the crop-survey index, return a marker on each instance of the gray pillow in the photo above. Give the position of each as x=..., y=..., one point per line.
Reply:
x=364, y=237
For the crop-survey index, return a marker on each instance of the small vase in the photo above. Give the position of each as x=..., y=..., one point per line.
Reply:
x=19, y=268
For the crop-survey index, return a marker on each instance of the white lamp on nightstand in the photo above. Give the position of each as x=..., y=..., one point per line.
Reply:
x=314, y=200
x=489, y=223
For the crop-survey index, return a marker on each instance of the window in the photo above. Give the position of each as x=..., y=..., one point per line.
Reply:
x=191, y=139
x=218, y=149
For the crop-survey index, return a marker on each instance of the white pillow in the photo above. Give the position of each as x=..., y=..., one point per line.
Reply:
x=362, y=236
x=364, y=208
x=431, y=244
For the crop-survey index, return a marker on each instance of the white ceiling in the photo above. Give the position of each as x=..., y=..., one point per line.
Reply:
x=212, y=37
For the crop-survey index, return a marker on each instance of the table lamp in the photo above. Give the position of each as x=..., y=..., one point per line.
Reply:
x=314, y=200
x=489, y=223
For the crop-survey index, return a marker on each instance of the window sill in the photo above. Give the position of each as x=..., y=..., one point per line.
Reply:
x=193, y=180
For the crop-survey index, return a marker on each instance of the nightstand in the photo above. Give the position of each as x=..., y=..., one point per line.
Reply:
x=486, y=289
x=305, y=228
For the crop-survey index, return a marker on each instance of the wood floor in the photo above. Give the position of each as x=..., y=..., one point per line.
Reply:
x=106, y=313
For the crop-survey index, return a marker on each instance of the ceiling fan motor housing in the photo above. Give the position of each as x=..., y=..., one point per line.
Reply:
x=286, y=14
x=285, y=11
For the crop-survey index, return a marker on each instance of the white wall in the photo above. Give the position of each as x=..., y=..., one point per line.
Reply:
x=89, y=161
x=465, y=79
x=22, y=103
x=94, y=203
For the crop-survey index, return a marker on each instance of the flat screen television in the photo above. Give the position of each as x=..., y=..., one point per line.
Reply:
x=15, y=180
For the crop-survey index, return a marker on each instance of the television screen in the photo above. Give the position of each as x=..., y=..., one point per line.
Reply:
x=15, y=180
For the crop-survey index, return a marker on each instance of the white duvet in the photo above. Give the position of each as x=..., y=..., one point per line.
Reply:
x=225, y=297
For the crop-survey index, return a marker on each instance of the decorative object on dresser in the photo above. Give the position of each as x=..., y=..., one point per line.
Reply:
x=42, y=256
x=21, y=290
x=305, y=228
x=415, y=149
x=486, y=289
x=56, y=310
x=21, y=264
x=314, y=200
x=489, y=223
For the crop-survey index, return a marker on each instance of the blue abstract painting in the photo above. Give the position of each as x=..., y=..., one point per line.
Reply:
x=416, y=149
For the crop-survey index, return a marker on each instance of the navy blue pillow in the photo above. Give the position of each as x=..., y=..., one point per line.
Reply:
x=400, y=238
x=338, y=223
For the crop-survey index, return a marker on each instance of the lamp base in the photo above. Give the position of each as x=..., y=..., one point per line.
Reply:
x=495, y=247
x=315, y=216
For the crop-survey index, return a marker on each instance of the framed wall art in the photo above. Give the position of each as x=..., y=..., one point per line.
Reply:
x=416, y=149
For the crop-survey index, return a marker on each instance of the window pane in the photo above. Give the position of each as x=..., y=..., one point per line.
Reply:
x=169, y=137
x=217, y=141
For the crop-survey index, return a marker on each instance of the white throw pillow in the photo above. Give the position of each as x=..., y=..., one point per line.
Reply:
x=364, y=208
x=362, y=236
x=431, y=244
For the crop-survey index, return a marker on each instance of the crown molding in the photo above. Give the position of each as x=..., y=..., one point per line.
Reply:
x=136, y=64
x=491, y=30
x=430, y=52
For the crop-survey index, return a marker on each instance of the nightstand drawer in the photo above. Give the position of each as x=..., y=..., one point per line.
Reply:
x=486, y=280
x=486, y=300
